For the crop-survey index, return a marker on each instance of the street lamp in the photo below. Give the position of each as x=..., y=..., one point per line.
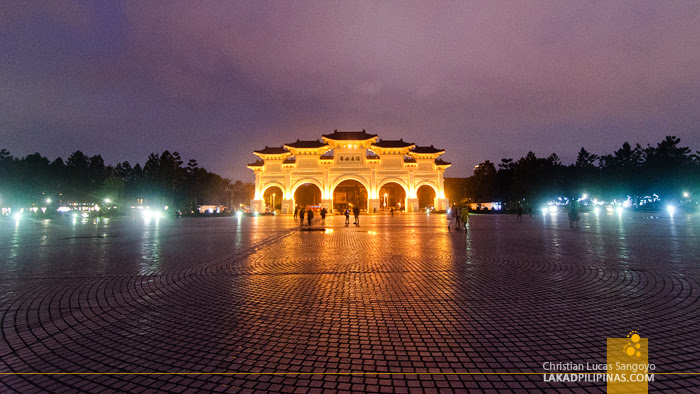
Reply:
x=273, y=202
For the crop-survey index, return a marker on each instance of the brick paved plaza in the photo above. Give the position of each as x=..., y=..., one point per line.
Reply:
x=398, y=295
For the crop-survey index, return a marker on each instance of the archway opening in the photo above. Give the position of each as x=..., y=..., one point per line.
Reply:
x=392, y=196
x=273, y=198
x=426, y=197
x=349, y=193
x=307, y=194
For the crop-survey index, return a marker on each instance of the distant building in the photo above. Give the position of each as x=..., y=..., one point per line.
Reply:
x=350, y=167
x=212, y=208
x=491, y=206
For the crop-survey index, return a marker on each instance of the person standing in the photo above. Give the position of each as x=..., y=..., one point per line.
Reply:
x=465, y=216
x=296, y=212
x=519, y=212
x=458, y=216
x=450, y=215
x=301, y=216
x=323, y=216
x=573, y=214
x=356, y=211
x=309, y=216
x=347, y=216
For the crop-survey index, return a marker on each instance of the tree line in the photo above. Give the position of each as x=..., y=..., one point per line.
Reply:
x=667, y=169
x=163, y=180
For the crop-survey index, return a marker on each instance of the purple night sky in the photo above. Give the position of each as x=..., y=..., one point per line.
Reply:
x=217, y=80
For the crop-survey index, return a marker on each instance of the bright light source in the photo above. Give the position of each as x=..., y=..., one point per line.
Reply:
x=107, y=200
x=18, y=216
x=48, y=201
x=596, y=210
x=553, y=209
x=619, y=210
x=239, y=213
x=545, y=210
x=610, y=209
x=671, y=209
x=686, y=194
x=84, y=214
x=585, y=196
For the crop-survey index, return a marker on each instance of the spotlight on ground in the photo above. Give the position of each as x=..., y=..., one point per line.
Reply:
x=671, y=209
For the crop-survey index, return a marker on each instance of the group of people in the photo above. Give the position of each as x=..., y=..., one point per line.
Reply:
x=460, y=214
x=309, y=214
x=356, y=212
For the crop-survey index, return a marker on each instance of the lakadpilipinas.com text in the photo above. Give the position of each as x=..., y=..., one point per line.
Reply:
x=577, y=372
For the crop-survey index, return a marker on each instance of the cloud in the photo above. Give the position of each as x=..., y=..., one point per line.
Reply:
x=482, y=77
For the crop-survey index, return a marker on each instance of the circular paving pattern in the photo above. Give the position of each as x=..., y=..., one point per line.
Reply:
x=400, y=295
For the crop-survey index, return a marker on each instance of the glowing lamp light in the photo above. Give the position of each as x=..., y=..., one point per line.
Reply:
x=545, y=210
x=585, y=196
x=596, y=210
x=18, y=216
x=553, y=209
x=671, y=209
x=686, y=194
x=619, y=210
x=239, y=213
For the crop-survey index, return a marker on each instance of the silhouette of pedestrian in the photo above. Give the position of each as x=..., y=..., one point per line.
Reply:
x=323, y=216
x=309, y=216
x=392, y=211
x=347, y=216
x=356, y=211
x=458, y=216
x=573, y=213
x=519, y=212
x=465, y=216
x=301, y=216
x=450, y=215
x=296, y=211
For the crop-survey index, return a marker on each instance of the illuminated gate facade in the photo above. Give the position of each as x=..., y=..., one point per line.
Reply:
x=349, y=155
